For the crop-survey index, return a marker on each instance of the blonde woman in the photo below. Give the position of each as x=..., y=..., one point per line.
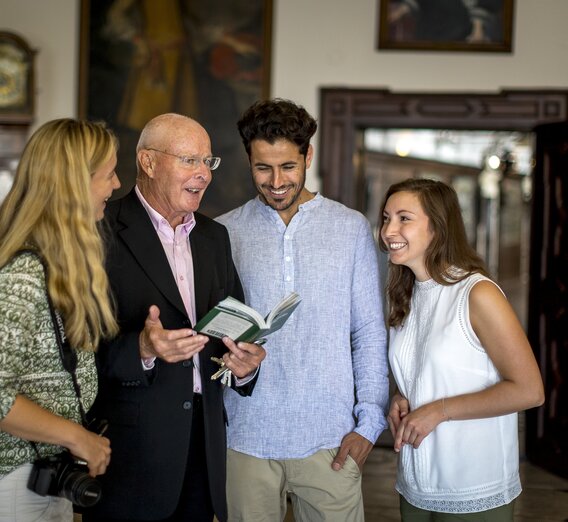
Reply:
x=50, y=248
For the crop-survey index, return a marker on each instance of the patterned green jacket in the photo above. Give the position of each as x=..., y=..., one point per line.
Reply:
x=30, y=364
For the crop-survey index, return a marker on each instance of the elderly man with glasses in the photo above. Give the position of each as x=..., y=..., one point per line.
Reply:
x=168, y=265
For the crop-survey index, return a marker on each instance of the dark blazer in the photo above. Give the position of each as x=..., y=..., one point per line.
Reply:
x=150, y=412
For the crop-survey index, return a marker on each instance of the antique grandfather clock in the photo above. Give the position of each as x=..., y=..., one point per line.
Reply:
x=16, y=102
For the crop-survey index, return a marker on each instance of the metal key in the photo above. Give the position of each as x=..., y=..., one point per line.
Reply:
x=227, y=378
x=221, y=370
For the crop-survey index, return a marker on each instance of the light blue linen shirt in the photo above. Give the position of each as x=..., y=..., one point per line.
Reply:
x=325, y=373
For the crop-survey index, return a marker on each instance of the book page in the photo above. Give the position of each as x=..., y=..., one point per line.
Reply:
x=284, y=307
x=234, y=306
x=226, y=324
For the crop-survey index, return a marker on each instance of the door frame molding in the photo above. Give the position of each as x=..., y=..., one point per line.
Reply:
x=344, y=112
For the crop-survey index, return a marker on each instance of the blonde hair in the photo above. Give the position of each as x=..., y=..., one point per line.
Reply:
x=50, y=208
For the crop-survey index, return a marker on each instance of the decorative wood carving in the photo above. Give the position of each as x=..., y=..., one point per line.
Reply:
x=345, y=112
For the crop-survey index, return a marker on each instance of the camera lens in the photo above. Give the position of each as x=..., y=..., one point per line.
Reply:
x=81, y=489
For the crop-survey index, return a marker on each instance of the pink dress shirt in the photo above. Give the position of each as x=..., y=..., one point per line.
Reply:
x=178, y=251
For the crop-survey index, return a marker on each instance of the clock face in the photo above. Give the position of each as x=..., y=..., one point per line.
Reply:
x=15, y=77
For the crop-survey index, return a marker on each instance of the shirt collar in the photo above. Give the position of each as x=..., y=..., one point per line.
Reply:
x=304, y=207
x=160, y=222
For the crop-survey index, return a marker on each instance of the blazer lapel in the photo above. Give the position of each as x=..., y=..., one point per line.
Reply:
x=139, y=235
x=203, y=273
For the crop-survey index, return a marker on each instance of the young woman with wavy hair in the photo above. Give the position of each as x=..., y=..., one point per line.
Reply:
x=461, y=361
x=50, y=246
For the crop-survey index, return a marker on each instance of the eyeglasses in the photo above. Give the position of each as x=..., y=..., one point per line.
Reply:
x=192, y=162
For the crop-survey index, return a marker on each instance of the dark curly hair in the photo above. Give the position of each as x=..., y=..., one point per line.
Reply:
x=449, y=248
x=272, y=120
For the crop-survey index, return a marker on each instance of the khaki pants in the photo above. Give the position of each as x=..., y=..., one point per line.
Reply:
x=257, y=488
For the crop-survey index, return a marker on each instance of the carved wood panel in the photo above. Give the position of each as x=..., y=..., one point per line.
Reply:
x=345, y=112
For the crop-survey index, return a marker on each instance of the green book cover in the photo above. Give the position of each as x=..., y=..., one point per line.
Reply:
x=240, y=322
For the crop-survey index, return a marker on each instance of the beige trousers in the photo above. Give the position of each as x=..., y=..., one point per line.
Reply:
x=257, y=489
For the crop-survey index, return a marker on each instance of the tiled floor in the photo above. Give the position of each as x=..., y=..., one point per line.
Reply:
x=544, y=497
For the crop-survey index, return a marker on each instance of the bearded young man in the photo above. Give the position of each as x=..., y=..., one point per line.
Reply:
x=319, y=402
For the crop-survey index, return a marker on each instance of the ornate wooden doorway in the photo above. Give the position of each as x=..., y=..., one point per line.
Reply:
x=346, y=113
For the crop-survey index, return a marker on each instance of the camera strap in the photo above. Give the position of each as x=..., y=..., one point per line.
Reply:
x=68, y=355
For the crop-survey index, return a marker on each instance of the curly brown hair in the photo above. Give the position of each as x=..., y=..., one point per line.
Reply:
x=272, y=120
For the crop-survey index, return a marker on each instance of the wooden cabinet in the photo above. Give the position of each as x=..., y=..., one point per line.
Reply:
x=12, y=141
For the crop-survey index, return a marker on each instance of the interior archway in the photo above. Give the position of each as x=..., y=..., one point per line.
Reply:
x=347, y=113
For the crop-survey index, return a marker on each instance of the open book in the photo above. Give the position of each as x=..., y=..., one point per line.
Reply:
x=242, y=323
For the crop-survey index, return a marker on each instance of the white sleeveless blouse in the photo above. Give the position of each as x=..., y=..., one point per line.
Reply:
x=463, y=466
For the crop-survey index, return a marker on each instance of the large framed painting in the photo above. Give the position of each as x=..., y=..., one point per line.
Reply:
x=446, y=25
x=209, y=59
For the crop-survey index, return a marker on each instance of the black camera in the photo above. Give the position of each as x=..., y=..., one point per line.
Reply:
x=62, y=475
